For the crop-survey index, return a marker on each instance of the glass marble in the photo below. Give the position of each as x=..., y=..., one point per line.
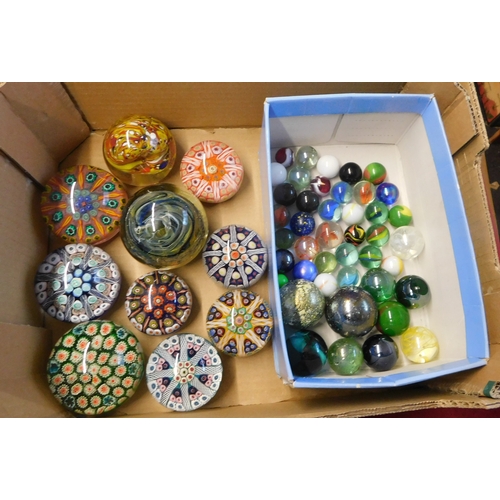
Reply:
x=282, y=279
x=240, y=323
x=354, y=234
x=387, y=193
x=83, y=204
x=307, y=201
x=284, y=260
x=325, y=262
x=345, y=356
x=376, y=212
x=379, y=284
x=305, y=269
x=342, y=192
x=375, y=173
x=400, y=215
x=282, y=215
x=285, y=156
x=235, y=256
x=328, y=165
x=95, y=367
x=377, y=235
x=352, y=213
x=213, y=172
x=370, y=257
x=350, y=172
x=329, y=235
x=307, y=157
x=302, y=223
x=184, y=372
x=299, y=177
x=393, y=265
x=285, y=194
x=326, y=283
x=407, y=242
x=393, y=318
x=381, y=353
x=279, y=173
x=413, y=292
x=164, y=226
x=351, y=312
x=302, y=304
x=321, y=185
x=139, y=150
x=77, y=283
x=347, y=254
x=348, y=276
x=364, y=192
x=284, y=238
x=307, y=352
x=419, y=344
x=306, y=248
x=158, y=303
x=330, y=210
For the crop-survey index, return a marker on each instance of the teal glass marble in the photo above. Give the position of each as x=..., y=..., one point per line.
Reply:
x=342, y=192
x=302, y=304
x=306, y=157
x=376, y=212
x=164, y=226
x=330, y=210
x=348, y=276
x=400, y=215
x=377, y=235
x=379, y=284
x=299, y=177
x=307, y=352
x=325, y=262
x=393, y=318
x=284, y=238
x=347, y=254
x=370, y=257
x=345, y=356
x=375, y=172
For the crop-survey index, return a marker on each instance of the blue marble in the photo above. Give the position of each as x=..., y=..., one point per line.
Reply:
x=348, y=276
x=302, y=223
x=387, y=193
x=305, y=269
x=330, y=210
x=284, y=260
x=342, y=192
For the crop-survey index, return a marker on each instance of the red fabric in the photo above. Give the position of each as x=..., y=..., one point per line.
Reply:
x=445, y=413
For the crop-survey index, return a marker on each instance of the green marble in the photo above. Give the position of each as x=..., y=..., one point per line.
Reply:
x=379, y=284
x=299, y=177
x=325, y=262
x=376, y=212
x=393, y=318
x=377, y=235
x=284, y=238
x=370, y=257
x=345, y=356
x=400, y=215
x=302, y=303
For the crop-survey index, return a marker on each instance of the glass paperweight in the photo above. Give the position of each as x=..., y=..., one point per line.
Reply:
x=83, y=204
x=184, y=372
x=77, y=283
x=139, y=150
x=164, y=226
x=95, y=367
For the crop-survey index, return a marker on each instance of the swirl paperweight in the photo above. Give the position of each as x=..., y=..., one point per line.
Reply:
x=184, y=372
x=139, y=150
x=95, y=367
x=164, y=226
x=77, y=283
x=158, y=303
x=83, y=204
x=240, y=323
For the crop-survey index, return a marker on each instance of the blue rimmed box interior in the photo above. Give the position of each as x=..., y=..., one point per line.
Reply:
x=406, y=134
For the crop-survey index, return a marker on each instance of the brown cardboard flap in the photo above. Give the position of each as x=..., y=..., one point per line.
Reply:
x=198, y=104
x=47, y=110
x=24, y=244
x=24, y=390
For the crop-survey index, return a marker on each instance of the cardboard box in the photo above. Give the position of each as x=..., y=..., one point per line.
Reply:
x=48, y=125
x=404, y=132
x=489, y=95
